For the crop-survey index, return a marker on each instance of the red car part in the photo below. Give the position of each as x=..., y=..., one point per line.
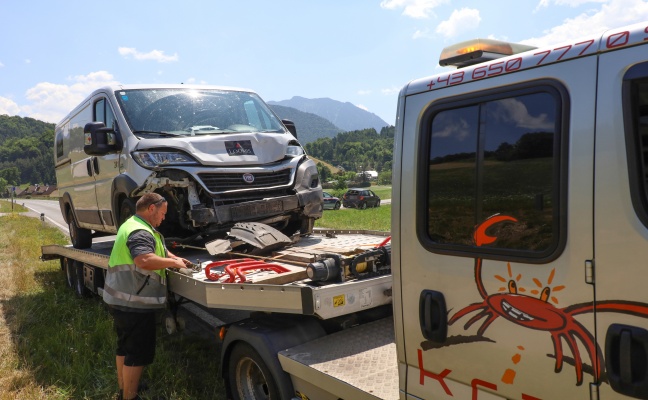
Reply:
x=235, y=268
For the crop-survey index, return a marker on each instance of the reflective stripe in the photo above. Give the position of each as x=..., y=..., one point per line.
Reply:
x=126, y=267
x=130, y=298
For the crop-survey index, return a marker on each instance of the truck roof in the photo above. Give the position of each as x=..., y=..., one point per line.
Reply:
x=609, y=40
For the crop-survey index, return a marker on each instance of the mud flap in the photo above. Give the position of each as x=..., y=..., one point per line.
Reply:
x=263, y=237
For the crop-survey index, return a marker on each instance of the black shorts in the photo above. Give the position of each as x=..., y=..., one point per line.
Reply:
x=135, y=336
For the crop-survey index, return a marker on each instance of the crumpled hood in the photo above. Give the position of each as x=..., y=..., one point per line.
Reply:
x=226, y=149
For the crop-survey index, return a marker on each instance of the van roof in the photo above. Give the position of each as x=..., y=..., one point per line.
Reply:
x=609, y=40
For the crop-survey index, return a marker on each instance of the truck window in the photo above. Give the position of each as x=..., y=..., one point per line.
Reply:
x=635, y=104
x=499, y=153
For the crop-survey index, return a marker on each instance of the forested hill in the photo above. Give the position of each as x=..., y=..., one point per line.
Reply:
x=26, y=151
x=364, y=149
x=310, y=127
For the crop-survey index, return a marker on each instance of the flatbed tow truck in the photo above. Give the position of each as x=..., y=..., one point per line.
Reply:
x=301, y=299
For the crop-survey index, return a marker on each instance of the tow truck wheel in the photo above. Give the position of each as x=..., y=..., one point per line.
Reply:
x=79, y=285
x=170, y=324
x=249, y=377
x=68, y=265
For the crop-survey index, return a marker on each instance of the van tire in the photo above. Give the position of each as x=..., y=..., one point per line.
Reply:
x=126, y=210
x=81, y=238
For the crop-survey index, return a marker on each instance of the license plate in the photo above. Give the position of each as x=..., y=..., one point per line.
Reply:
x=247, y=211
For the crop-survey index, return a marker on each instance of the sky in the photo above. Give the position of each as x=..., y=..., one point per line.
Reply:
x=53, y=53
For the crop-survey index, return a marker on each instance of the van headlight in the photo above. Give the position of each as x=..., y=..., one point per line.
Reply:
x=294, y=151
x=152, y=159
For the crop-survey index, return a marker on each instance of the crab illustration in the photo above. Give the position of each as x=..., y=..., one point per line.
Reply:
x=539, y=313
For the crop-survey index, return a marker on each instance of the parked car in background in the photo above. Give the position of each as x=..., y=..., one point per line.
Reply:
x=360, y=198
x=331, y=202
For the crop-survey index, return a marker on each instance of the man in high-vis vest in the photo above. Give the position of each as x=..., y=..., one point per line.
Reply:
x=135, y=287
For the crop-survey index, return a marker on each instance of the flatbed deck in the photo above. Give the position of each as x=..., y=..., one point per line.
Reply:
x=302, y=296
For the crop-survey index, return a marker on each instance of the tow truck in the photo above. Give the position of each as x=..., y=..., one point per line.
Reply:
x=517, y=254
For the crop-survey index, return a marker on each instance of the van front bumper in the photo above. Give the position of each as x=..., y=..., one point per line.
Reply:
x=259, y=209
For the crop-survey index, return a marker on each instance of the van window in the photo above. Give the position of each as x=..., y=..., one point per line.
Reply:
x=499, y=153
x=103, y=113
x=189, y=112
x=58, y=143
x=635, y=104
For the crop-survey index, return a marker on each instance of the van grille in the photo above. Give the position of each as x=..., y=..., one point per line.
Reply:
x=221, y=182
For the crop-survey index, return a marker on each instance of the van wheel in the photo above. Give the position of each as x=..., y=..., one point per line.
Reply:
x=126, y=210
x=249, y=376
x=81, y=238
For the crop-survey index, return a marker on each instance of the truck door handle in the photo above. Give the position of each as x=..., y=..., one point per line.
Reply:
x=433, y=316
x=626, y=359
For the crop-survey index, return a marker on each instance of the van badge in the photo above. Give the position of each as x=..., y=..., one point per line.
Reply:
x=239, y=148
x=248, y=178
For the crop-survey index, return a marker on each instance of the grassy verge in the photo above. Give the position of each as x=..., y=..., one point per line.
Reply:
x=6, y=207
x=378, y=219
x=56, y=346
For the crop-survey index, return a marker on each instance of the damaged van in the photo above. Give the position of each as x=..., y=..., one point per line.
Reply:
x=218, y=156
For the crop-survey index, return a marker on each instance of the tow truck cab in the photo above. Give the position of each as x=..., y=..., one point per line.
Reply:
x=520, y=223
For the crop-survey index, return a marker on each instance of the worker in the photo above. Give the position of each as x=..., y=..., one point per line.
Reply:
x=135, y=288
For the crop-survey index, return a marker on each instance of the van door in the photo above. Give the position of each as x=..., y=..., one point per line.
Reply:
x=621, y=217
x=496, y=188
x=105, y=168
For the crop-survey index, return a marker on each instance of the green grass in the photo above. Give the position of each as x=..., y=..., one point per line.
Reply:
x=56, y=346
x=384, y=192
x=6, y=207
x=378, y=219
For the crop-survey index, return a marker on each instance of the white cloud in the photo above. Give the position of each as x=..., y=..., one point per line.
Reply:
x=364, y=92
x=460, y=21
x=568, y=3
x=194, y=81
x=390, y=91
x=155, y=55
x=612, y=14
x=8, y=107
x=27, y=61
x=50, y=102
x=1, y=64
x=419, y=9
x=362, y=107
x=422, y=34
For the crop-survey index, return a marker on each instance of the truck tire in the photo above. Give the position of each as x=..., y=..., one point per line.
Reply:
x=81, y=238
x=70, y=273
x=250, y=377
x=80, y=289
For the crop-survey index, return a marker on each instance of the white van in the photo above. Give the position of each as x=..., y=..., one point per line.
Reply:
x=218, y=155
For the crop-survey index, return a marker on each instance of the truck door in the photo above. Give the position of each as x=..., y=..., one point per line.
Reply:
x=495, y=232
x=621, y=214
x=105, y=168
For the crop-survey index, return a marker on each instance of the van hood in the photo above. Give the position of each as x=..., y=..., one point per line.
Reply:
x=228, y=149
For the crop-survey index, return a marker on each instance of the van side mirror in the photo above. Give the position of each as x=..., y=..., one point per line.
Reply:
x=290, y=126
x=99, y=140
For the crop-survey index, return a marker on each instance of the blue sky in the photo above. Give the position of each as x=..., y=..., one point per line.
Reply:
x=54, y=53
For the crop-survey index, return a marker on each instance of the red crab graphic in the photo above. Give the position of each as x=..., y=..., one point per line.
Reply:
x=539, y=314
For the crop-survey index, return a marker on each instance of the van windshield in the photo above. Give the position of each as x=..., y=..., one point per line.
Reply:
x=195, y=112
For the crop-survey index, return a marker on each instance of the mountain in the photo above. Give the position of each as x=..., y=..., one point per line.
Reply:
x=346, y=116
x=310, y=127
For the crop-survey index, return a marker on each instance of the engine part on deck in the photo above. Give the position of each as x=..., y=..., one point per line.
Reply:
x=218, y=246
x=335, y=268
x=326, y=269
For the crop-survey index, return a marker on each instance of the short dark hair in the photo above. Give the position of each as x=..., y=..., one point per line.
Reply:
x=149, y=198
